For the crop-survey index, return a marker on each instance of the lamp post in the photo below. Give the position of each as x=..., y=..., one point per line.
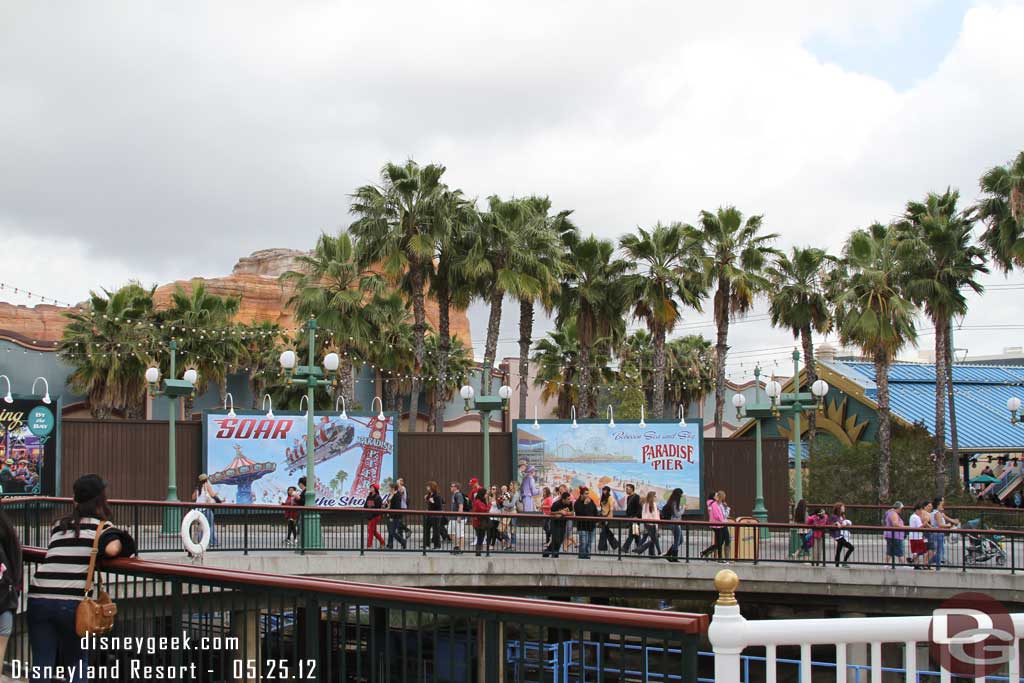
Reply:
x=756, y=411
x=1013, y=405
x=312, y=377
x=485, y=404
x=173, y=389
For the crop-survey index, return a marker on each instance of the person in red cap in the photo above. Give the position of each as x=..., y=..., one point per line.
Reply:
x=474, y=486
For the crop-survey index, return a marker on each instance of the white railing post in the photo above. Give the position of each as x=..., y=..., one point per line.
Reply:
x=727, y=631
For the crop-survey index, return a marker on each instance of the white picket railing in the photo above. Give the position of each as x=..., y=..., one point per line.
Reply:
x=731, y=634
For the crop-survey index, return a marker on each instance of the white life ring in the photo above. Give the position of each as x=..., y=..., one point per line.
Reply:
x=191, y=546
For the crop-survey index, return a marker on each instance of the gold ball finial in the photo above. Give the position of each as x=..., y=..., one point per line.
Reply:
x=726, y=583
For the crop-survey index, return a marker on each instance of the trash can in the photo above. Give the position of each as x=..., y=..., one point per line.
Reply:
x=746, y=539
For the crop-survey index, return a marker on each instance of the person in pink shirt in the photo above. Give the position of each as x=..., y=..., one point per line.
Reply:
x=716, y=515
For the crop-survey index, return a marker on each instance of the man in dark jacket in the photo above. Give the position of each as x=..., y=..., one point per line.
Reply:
x=560, y=509
x=633, y=511
x=585, y=507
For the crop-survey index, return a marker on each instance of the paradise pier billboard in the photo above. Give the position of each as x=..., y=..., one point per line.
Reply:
x=253, y=458
x=658, y=456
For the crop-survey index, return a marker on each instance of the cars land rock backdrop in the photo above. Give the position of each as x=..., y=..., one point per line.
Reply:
x=658, y=456
x=253, y=458
x=29, y=446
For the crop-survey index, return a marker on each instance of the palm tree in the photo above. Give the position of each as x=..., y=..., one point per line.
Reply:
x=201, y=323
x=1002, y=210
x=596, y=291
x=873, y=313
x=736, y=253
x=108, y=343
x=389, y=348
x=691, y=370
x=500, y=264
x=668, y=274
x=547, y=238
x=452, y=227
x=460, y=364
x=394, y=229
x=636, y=350
x=943, y=261
x=799, y=302
x=262, y=345
x=330, y=285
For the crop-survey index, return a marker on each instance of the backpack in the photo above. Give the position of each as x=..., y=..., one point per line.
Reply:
x=467, y=504
x=9, y=588
x=666, y=512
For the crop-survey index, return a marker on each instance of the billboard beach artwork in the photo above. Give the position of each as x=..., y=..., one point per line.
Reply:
x=658, y=456
x=253, y=459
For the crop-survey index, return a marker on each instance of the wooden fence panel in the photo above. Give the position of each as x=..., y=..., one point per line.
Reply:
x=447, y=457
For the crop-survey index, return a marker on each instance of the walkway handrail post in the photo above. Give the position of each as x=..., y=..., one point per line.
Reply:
x=727, y=629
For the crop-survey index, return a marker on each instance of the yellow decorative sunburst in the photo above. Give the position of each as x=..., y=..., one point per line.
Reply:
x=836, y=420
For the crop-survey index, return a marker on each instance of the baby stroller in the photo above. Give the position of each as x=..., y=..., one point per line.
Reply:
x=983, y=547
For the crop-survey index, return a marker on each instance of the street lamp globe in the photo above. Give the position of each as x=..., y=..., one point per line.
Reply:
x=152, y=375
x=819, y=388
x=191, y=376
x=287, y=359
x=331, y=362
x=1013, y=404
x=773, y=389
x=738, y=401
x=466, y=392
x=505, y=392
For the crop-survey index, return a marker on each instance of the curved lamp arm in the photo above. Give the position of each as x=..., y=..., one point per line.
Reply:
x=229, y=403
x=536, y=424
x=46, y=396
x=344, y=407
x=611, y=416
x=572, y=412
x=7, y=397
x=376, y=400
x=270, y=410
x=306, y=399
x=642, y=423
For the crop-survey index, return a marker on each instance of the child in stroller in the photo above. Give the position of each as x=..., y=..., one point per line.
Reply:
x=982, y=547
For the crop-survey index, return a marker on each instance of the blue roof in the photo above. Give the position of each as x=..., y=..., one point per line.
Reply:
x=980, y=393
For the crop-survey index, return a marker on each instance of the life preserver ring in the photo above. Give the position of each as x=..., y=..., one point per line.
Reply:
x=191, y=546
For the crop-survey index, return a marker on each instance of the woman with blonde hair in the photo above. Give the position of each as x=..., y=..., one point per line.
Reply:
x=649, y=513
x=716, y=515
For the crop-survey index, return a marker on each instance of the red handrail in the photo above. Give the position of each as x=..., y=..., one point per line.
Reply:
x=680, y=622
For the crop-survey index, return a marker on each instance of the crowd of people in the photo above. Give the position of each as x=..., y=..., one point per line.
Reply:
x=927, y=548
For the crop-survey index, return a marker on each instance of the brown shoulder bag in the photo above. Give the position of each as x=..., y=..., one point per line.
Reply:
x=95, y=615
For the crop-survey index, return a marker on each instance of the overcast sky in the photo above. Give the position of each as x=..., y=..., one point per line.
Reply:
x=159, y=141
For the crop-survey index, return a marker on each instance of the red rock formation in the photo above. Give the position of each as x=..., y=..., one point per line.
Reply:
x=254, y=278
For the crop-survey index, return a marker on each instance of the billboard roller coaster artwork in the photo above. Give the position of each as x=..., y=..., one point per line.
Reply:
x=656, y=456
x=253, y=459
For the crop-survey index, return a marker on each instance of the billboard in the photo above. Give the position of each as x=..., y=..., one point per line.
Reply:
x=658, y=456
x=254, y=458
x=29, y=445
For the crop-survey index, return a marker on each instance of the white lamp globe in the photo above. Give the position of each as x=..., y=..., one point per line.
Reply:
x=1013, y=404
x=819, y=388
x=152, y=375
x=773, y=389
x=505, y=392
x=738, y=401
x=287, y=359
x=466, y=392
x=191, y=376
x=331, y=362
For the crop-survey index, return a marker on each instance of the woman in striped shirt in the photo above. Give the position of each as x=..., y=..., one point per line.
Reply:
x=59, y=583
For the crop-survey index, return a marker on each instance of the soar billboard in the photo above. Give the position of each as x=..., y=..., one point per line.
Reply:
x=658, y=456
x=29, y=446
x=253, y=458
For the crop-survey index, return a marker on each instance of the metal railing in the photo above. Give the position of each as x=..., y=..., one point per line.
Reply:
x=872, y=640
x=261, y=528
x=246, y=626
x=989, y=516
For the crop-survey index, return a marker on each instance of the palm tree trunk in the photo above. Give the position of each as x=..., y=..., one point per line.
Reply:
x=721, y=348
x=658, y=397
x=444, y=345
x=940, y=407
x=432, y=413
x=419, y=329
x=812, y=377
x=388, y=391
x=884, y=425
x=525, y=336
x=346, y=380
x=583, y=366
x=491, y=346
x=955, y=446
